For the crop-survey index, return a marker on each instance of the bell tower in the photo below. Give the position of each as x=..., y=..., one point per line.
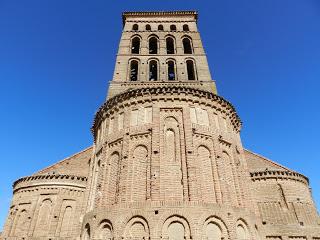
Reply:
x=160, y=49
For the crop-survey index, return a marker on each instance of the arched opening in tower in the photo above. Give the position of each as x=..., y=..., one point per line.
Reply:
x=190, y=70
x=153, y=70
x=134, y=68
x=170, y=45
x=153, y=45
x=135, y=45
x=171, y=71
x=187, y=47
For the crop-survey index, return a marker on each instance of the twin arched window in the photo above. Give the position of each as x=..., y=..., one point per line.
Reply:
x=153, y=70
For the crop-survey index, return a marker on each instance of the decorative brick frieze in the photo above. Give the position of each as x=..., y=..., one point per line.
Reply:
x=268, y=174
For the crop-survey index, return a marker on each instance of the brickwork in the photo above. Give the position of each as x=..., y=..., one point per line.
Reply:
x=167, y=160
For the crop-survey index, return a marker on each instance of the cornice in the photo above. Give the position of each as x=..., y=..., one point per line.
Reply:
x=49, y=177
x=275, y=174
x=157, y=14
x=155, y=91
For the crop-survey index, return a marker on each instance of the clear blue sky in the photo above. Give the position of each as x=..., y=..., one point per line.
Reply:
x=56, y=58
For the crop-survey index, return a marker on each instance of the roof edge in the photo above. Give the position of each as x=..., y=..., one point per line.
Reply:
x=268, y=160
x=61, y=161
x=158, y=13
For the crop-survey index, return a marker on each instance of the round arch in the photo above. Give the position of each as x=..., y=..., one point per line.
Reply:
x=153, y=44
x=242, y=230
x=191, y=69
x=105, y=230
x=153, y=69
x=135, y=44
x=214, y=229
x=133, y=73
x=136, y=227
x=176, y=226
x=187, y=44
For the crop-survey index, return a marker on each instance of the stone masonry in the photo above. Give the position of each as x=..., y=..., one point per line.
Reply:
x=167, y=160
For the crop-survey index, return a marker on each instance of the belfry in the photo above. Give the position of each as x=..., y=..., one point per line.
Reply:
x=167, y=160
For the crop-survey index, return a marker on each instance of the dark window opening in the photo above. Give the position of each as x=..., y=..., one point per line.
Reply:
x=153, y=70
x=187, y=46
x=190, y=70
x=171, y=71
x=148, y=27
x=135, y=27
x=185, y=27
x=153, y=45
x=173, y=28
x=134, y=68
x=160, y=27
x=170, y=45
x=135, y=45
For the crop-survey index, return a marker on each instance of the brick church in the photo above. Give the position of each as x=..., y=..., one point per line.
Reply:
x=167, y=160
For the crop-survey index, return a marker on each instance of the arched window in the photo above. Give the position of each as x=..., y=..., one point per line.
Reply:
x=153, y=45
x=191, y=70
x=135, y=27
x=134, y=70
x=160, y=27
x=20, y=225
x=135, y=45
x=170, y=45
x=44, y=218
x=173, y=28
x=66, y=222
x=148, y=27
x=171, y=70
x=187, y=46
x=185, y=27
x=153, y=70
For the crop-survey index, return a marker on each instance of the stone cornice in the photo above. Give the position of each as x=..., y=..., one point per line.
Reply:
x=157, y=14
x=275, y=174
x=168, y=91
x=36, y=180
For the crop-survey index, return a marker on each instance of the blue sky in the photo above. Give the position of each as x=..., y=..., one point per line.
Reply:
x=56, y=58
